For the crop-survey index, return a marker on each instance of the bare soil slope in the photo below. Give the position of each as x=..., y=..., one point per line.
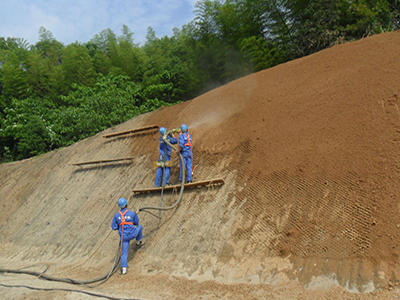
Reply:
x=309, y=151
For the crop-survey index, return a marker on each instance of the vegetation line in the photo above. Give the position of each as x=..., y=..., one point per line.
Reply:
x=53, y=95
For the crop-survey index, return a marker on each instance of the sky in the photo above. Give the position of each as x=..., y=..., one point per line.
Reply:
x=79, y=20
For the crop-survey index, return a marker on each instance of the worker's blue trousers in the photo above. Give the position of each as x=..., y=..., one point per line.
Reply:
x=187, y=159
x=159, y=173
x=125, y=245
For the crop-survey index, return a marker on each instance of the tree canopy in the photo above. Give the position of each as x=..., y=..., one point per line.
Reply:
x=52, y=95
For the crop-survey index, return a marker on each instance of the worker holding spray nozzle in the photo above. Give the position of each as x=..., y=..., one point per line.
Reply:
x=164, y=157
x=127, y=223
x=186, y=149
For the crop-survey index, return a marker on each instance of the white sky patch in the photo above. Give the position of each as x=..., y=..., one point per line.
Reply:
x=77, y=20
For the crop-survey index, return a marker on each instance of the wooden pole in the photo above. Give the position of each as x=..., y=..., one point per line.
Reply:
x=102, y=161
x=218, y=181
x=130, y=131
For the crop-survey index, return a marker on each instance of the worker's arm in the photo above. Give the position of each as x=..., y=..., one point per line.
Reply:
x=135, y=219
x=114, y=224
x=173, y=140
x=181, y=143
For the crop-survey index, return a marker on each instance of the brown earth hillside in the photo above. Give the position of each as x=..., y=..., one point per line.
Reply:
x=310, y=155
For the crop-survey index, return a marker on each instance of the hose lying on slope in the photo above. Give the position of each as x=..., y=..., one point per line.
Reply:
x=114, y=268
x=42, y=275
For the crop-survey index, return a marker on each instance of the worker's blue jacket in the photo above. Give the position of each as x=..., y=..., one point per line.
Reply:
x=130, y=231
x=165, y=149
x=185, y=141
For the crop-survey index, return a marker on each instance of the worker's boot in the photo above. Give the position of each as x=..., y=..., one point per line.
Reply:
x=139, y=244
x=123, y=271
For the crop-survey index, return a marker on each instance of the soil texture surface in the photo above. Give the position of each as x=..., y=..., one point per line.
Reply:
x=309, y=208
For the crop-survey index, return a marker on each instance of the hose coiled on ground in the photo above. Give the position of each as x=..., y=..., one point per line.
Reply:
x=42, y=275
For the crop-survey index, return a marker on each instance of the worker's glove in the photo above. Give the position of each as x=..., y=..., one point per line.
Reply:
x=137, y=211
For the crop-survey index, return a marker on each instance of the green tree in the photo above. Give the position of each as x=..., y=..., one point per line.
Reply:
x=26, y=129
x=77, y=66
x=318, y=24
x=128, y=56
x=366, y=17
x=261, y=54
x=34, y=138
x=104, y=40
x=101, y=62
x=47, y=77
x=13, y=75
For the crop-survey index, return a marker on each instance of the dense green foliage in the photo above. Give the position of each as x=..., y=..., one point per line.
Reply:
x=52, y=95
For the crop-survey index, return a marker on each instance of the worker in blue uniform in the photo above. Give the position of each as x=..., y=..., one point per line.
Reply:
x=127, y=223
x=164, y=156
x=186, y=149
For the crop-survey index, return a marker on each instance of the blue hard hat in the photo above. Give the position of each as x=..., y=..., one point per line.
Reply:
x=162, y=130
x=122, y=202
x=184, y=127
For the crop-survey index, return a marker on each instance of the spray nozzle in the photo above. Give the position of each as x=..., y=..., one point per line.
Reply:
x=167, y=133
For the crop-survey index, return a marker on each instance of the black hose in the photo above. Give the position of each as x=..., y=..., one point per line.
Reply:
x=66, y=290
x=87, y=283
x=182, y=185
x=114, y=268
x=163, y=176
